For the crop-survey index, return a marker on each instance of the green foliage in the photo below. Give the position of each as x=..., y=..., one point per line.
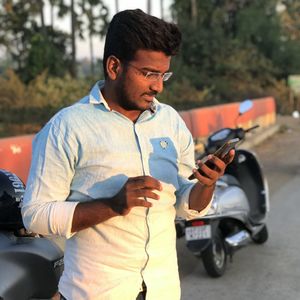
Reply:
x=26, y=108
x=46, y=52
x=233, y=49
x=32, y=47
x=35, y=46
x=188, y=96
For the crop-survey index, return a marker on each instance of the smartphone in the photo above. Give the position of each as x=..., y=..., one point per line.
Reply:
x=220, y=153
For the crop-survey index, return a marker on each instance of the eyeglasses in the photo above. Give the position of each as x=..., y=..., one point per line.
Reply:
x=152, y=76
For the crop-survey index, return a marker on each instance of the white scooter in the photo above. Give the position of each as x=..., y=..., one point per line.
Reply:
x=239, y=208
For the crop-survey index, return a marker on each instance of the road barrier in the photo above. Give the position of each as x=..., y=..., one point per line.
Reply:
x=15, y=152
x=203, y=121
x=15, y=155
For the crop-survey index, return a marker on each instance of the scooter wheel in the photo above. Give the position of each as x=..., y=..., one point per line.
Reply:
x=262, y=236
x=214, y=257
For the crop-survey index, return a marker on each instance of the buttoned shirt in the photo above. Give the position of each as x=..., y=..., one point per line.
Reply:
x=88, y=151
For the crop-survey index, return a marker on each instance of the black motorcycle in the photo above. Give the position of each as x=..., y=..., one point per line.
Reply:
x=30, y=265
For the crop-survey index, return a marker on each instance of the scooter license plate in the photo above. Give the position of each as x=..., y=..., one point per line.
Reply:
x=198, y=233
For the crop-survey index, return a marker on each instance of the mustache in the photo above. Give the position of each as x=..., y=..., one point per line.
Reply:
x=152, y=94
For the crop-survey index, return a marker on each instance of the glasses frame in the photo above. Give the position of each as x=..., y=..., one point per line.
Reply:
x=152, y=76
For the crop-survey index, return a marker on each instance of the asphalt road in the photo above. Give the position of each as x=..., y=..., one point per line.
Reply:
x=272, y=270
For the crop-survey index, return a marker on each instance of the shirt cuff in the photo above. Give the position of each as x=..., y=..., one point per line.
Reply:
x=61, y=217
x=51, y=218
x=185, y=212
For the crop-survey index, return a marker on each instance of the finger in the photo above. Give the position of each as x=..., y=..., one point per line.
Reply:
x=203, y=179
x=229, y=157
x=209, y=168
x=202, y=161
x=145, y=193
x=145, y=182
x=141, y=203
x=219, y=164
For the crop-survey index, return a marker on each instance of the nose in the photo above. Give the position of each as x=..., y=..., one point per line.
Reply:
x=157, y=85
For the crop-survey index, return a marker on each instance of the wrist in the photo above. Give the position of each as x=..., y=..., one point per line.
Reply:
x=115, y=206
x=206, y=186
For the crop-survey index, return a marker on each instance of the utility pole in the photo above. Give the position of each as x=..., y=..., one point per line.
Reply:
x=73, y=36
x=117, y=5
x=149, y=7
x=194, y=12
x=162, y=9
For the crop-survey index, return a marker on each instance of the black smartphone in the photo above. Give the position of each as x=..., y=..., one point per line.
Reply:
x=220, y=153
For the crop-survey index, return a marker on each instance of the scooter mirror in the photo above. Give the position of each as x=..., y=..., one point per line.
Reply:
x=245, y=106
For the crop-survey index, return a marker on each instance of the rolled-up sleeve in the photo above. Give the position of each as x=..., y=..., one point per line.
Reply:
x=45, y=209
x=183, y=209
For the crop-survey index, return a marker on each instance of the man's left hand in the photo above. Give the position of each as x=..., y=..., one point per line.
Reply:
x=210, y=171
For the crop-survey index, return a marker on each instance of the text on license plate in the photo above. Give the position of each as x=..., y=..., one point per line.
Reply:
x=198, y=232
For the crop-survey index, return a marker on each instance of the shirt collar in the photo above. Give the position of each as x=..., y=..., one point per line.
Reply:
x=96, y=97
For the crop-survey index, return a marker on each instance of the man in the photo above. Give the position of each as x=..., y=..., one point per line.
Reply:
x=109, y=172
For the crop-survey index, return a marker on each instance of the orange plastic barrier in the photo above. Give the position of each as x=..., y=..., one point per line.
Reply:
x=203, y=121
x=15, y=155
x=15, y=152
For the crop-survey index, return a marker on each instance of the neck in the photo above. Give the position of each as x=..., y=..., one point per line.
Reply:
x=110, y=96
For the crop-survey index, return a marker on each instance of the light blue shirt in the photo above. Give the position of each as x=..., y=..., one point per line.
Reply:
x=86, y=152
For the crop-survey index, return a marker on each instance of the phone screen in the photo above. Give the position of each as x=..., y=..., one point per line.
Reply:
x=226, y=147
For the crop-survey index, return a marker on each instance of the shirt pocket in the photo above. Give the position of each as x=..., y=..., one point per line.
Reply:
x=163, y=160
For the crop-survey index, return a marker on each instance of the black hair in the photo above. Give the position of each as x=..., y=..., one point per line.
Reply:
x=132, y=30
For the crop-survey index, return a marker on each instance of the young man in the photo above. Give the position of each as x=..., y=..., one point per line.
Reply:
x=110, y=172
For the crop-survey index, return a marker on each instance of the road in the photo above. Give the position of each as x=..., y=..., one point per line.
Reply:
x=270, y=271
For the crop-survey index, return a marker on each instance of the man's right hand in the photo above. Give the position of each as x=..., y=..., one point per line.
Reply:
x=135, y=193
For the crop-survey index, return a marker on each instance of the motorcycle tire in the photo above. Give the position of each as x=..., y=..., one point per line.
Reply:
x=214, y=257
x=262, y=236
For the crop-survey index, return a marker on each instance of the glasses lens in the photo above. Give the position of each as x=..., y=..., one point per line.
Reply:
x=153, y=76
x=167, y=76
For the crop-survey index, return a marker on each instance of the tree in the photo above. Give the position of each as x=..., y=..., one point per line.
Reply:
x=149, y=7
x=287, y=55
x=117, y=5
x=96, y=23
x=46, y=53
x=226, y=52
x=24, y=34
x=53, y=4
x=272, y=34
x=65, y=8
x=96, y=14
x=290, y=18
x=73, y=38
x=194, y=11
x=16, y=23
x=162, y=9
x=33, y=47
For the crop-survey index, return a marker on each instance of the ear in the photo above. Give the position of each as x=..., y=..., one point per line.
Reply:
x=113, y=67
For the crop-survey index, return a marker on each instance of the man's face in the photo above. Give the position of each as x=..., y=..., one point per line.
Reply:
x=134, y=91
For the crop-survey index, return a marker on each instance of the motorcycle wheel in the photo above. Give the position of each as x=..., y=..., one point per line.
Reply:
x=214, y=257
x=262, y=236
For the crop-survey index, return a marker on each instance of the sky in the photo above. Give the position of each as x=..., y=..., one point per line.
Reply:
x=83, y=46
